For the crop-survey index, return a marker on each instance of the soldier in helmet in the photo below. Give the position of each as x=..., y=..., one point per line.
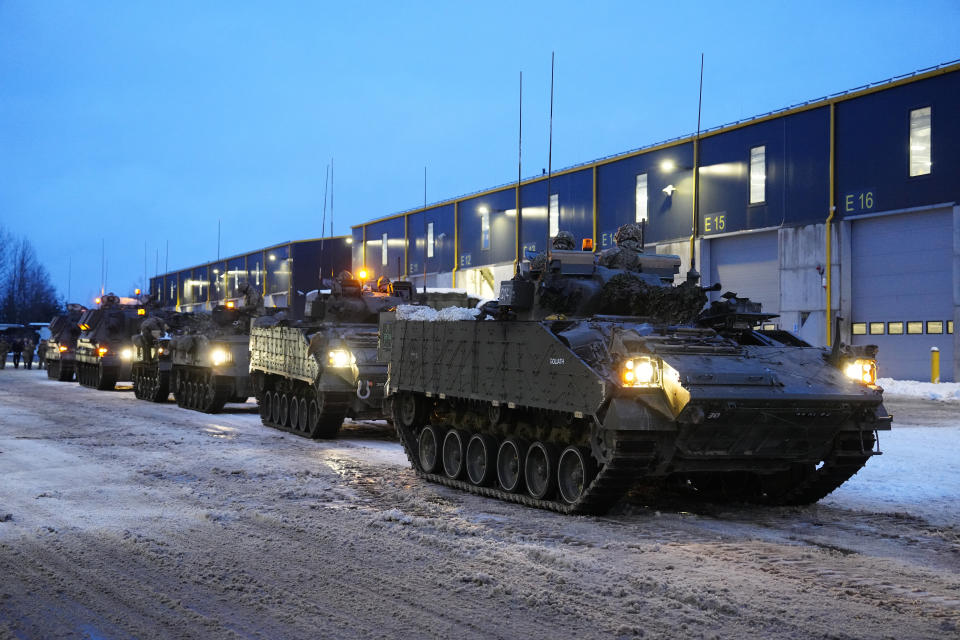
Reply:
x=28, y=349
x=626, y=255
x=563, y=241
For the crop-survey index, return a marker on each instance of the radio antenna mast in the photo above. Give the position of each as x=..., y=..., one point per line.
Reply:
x=550, y=159
x=696, y=177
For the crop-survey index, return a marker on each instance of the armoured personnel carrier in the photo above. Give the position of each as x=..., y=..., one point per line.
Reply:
x=104, y=352
x=596, y=378
x=152, y=362
x=210, y=356
x=310, y=375
x=60, y=354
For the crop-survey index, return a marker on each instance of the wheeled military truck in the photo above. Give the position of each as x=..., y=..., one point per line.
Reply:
x=310, y=375
x=104, y=352
x=61, y=345
x=594, y=380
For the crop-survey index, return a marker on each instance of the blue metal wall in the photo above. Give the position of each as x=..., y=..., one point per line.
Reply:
x=501, y=206
x=670, y=217
x=873, y=134
x=396, y=234
x=443, y=236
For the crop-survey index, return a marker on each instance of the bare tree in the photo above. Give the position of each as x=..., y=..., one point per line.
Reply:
x=26, y=293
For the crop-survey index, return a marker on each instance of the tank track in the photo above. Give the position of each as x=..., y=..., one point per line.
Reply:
x=631, y=457
x=153, y=387
x=325, y=415
x=836, y=470
x=198, y=390
x=96, y=376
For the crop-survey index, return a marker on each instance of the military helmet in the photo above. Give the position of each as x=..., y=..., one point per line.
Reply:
x=630, y=236
x=564, y=241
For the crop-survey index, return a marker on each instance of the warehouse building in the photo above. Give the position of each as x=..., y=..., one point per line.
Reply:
x=283, y=274
x=841, y=211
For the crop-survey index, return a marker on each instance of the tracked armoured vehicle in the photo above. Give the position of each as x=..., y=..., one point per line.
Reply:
x=60, y=354
x=600, y=376
x=210, y=356
x=104, y=352
x=152, y=361
x=310, y=375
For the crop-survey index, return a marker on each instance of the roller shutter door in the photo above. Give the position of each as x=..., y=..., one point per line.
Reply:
x=748, y=265
x=902, y=272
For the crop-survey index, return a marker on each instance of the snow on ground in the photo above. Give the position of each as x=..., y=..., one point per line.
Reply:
x=129, y=519
x=948, y=391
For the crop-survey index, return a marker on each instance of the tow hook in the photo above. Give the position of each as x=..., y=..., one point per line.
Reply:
x=363, y=392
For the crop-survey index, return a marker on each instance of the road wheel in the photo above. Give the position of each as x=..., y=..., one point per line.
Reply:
x=409, y=410
x=538, y=469
x=275, y=410
x=295, y=413
x=266, y=408
x=428, y=448
x=284, y=411
x=303, y=424
x=313, y=416
x=481, y=458
x=106, y=378
x=510, y=457
x=453, y=449
x=575, y=471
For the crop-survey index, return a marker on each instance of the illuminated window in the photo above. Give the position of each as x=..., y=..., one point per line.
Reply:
x=859, y=328
x=554, y=215
x=429, y=239
x=949, y=326
x=920, y=142
x=484, y=229
x=384, y=255
x=914, y=328
x=935, y=326
x=758, y=175
x=895, y=328
x=769, y=327
x=641, y=213
x=876, y=328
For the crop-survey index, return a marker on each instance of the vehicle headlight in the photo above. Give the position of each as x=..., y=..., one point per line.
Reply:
x=126, y=354
x=640, y=372
x=219, y=356
x=340, y=358
x=102, y=351
x=62, y=348
x=862, y=370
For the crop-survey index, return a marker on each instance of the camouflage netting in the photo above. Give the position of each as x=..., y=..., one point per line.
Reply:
x=627, y=295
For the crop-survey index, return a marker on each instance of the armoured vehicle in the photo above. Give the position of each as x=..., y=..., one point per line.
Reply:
x=104, y=351
x=152, y=362
x=597, y=378
x=210, y=357
x=310, y=375
x=61, y=345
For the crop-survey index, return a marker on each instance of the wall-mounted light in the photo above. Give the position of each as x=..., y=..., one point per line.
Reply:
x=484, y=209
x=669, y=189
x=668, y=165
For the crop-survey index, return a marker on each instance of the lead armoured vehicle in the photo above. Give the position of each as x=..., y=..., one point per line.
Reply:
x=104, y=351
x=60, y=354
x=596, y=378
x=210, y=356
x=310, y=375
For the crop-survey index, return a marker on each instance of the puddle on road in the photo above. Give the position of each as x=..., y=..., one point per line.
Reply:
x=220, y=431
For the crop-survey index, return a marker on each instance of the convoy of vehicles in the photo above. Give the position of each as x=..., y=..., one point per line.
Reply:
x=588, y=378
x=60, y=354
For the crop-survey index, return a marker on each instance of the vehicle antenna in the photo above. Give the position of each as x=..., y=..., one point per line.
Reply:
x=425, y=225
x=323, y=220
x=696, y=176
x=519, y=219
x=550, y=161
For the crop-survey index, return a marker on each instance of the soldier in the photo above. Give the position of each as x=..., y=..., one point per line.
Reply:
x=41, y=354
x=4, y=350
x=563, y=241
x=17, y=349
x=626, y=255
x=28, y=348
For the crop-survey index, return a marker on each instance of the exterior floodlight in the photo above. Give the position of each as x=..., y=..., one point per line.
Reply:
x=668, y=165
x=669, y=189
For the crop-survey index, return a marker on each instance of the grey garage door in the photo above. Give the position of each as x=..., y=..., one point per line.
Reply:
x=902, y=277
x=749, y=266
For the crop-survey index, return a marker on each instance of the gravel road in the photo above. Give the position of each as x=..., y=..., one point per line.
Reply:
x=124, y=519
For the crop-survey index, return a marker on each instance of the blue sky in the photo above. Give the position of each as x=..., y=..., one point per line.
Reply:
x=139, y=123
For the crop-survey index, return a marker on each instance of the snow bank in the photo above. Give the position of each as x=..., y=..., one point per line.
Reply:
x=427, y=314
x=948, y=391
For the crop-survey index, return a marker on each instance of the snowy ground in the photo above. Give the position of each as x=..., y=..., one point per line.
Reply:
x=128, y=519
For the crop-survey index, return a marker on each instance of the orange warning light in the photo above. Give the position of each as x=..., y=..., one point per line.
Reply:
x=587, y=244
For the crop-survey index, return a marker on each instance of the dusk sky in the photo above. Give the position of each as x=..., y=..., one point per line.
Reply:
x=139, y=123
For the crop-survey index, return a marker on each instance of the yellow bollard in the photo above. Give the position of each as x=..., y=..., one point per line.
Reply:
x=934, y=365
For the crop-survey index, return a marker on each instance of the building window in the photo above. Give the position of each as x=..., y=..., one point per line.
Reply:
x=935, y=326
x=914, y=328
x=554, y=215
x=895, y=328
x=876, y=328
x=484, y=228
x=429, y=239
x=641, y=197
x=949, y=326
x=758, y=175
x=920, y=142
x=384, y=255
x=859, y=328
